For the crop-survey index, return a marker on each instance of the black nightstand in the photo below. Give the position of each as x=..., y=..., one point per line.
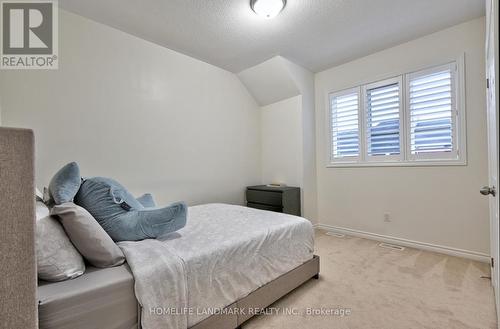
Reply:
x=284, y=199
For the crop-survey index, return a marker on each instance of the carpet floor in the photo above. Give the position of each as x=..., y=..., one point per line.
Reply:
x=363, y=286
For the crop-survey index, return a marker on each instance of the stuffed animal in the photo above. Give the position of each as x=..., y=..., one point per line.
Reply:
x=125, y=218
x=147, y=200
x=65, y=184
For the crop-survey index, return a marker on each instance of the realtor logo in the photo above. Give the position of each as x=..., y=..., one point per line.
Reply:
x=29, y=35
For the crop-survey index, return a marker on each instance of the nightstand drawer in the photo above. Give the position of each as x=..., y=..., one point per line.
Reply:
x=265, y=197
x=264, y=207
x=284, y=199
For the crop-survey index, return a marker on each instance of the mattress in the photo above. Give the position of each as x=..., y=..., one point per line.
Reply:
x=230, y=251
x=101, y=298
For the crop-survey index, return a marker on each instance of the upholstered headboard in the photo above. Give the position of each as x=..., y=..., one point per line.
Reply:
x=18, y=306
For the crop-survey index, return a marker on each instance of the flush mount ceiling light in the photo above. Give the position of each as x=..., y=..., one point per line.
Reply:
x=267, y=8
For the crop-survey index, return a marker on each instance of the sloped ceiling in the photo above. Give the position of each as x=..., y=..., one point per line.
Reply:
x=270, y=81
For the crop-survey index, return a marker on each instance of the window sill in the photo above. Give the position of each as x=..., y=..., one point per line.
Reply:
x=419, y=163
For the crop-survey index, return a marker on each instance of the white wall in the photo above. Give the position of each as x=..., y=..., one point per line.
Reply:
x=271, y=82
x=282, y=142
x=156, y=120
x=305, y=81
x=436, y=205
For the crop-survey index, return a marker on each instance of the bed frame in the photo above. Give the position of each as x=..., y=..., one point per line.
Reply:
x=18, y=287
x=262, y=297
x=18, y=283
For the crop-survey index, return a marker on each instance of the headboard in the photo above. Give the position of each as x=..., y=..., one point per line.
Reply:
x=18, y=280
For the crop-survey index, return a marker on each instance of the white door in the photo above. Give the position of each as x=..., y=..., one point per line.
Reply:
x=492, y=108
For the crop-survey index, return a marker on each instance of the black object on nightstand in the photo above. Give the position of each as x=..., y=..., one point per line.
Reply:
x=285, y=199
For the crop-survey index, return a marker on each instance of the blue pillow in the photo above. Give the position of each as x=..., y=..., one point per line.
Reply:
x=65, y=183
x=122, y=216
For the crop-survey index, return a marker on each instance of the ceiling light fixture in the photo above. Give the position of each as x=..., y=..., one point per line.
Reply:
x=267, y=8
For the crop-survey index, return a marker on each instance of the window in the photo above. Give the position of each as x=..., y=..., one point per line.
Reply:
x=432, y=114
x=383, y=124
x=412, y=119
x=345, y=125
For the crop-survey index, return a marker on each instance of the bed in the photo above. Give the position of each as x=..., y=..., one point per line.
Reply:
x=227, y=257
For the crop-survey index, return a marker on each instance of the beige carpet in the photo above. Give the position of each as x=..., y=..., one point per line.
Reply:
x=387, y=289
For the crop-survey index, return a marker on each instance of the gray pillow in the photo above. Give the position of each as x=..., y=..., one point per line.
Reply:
x=65, y=183
x=88, y=236
x=57, y=259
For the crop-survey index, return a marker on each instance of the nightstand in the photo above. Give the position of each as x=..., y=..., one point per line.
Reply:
x=285, y=199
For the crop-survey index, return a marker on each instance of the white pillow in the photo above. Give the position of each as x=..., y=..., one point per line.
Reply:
x=88, y=237
x=56, y=257
x=38, y=194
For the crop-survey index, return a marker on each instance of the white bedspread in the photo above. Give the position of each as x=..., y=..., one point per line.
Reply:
x=224, y=253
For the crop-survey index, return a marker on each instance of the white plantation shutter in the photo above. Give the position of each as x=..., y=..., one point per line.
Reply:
x=432, y=113
x=344, y=119
x=383, y=111
x=414, y=119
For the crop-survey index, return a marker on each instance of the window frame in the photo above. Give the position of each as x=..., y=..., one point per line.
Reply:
x=405, y=158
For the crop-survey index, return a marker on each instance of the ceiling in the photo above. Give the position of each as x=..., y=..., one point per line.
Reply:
x=316, y=34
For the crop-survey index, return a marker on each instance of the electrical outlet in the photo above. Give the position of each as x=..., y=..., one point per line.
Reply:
x=387, y=217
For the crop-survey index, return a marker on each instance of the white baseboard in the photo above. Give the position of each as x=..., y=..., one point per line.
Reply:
x=408, y=243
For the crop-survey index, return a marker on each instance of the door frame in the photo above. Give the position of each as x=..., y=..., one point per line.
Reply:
x=492, y=8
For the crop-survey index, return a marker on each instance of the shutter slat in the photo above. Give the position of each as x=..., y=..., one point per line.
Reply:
x=384, y=117
x=433, y=104
x=349, y=149
x=385, y=93
x=346, y=115
x=437, y=110
x=347, y=103
x=437, y=134
x=432, y=97
x=347, y=126
x=426, y=92
x=393, y=102
x=433, y=121
x=383, y=101
x=378, y=92
x=347, y=98
x=383, y=111
x=446, y=126
x=430, y=85
x=431, y=142
x=375, y=138
x=381, y=149
x=349, y=109
x=441, y=79
x=436, y=76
